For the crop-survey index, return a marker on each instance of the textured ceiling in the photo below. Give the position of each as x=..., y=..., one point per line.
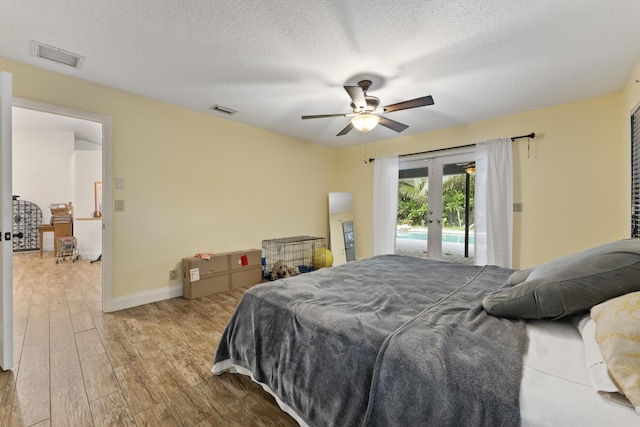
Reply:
x=274, y=61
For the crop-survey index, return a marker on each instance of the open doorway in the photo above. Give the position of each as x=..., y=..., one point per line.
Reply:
x=60, y=156
x=57, y=161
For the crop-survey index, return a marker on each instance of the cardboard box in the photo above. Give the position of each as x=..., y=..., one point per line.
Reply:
x=245, y=259
x=212, y=276
x=208, y=286
x=216, y=265
x=248, y=276
x=220, y=273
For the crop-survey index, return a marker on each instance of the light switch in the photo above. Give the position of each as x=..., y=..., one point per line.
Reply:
x=119, y=205
x=119, y=183
x=517, y=207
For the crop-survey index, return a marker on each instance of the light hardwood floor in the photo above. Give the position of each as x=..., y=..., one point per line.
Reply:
x=145, y=366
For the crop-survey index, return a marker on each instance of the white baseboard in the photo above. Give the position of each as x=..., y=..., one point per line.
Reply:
x=141, y=298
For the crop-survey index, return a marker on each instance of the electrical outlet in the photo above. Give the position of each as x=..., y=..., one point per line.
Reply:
x=173, y=274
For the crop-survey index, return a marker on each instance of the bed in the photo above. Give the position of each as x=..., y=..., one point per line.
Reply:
x=397, y=340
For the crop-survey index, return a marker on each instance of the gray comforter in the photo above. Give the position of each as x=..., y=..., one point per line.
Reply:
x=386, y=341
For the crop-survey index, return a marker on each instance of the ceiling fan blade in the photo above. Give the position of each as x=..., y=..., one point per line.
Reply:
x=321, y=116
x=346, y=130
x=392, y=124
x=413, y=103
x=357, y=96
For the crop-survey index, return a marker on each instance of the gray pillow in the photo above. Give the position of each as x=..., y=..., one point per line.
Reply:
x=519, y=276
x=571, y=284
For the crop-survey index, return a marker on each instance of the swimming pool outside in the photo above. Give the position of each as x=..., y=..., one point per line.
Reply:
x=414, y=243
x=446, y=237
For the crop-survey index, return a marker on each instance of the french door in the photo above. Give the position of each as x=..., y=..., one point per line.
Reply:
x=435, y=207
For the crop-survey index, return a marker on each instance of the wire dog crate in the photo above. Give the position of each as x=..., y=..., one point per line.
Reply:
x=297, y=251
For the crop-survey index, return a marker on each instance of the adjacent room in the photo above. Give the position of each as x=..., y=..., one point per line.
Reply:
x=57, y=163
x=234, y=214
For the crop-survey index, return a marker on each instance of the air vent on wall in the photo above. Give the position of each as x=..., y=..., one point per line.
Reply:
x=222, y=109
x=55, y=54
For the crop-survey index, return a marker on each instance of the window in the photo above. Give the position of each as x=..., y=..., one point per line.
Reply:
x=635, y=173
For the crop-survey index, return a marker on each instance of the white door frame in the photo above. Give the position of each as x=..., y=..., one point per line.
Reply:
x=106, y=179
x=6, y=223
x=434, y=216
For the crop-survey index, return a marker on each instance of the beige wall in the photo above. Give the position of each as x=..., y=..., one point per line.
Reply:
x=193, y=182
x=573, y=183
x=631, y=98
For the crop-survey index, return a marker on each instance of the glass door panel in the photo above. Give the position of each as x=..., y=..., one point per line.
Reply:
x=457, y=193
x=413, y=207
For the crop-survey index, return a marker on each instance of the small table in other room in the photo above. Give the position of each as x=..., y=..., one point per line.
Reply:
x=44, y=228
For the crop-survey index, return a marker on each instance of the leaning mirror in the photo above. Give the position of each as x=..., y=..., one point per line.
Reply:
x=341, y=229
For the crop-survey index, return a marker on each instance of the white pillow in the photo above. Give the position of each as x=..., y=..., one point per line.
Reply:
x=601, y=378
x=618, y=336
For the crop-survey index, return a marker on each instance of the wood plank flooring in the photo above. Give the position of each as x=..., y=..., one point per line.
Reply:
x=145, y=366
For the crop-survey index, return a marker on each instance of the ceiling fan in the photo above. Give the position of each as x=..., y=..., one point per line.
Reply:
x=366, y=110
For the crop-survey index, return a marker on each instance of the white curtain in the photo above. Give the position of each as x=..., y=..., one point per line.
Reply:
x=494, y=202
x=385, y=205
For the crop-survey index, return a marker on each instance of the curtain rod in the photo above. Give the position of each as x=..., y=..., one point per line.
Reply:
x=530, y=135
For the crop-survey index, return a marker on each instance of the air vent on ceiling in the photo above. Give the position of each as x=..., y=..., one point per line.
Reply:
x=55, y=54
x=222, y=109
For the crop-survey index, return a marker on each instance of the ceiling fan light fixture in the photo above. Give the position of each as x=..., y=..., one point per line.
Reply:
x=365, y=122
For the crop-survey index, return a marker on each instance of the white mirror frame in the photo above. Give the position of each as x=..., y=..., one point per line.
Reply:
x=340, y=211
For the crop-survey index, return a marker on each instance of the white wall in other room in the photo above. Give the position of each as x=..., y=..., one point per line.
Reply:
x=41, y=171
x=87, y=166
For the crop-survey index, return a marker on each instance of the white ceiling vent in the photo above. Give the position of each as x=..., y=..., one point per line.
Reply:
x=222, y=109
x=55, y=54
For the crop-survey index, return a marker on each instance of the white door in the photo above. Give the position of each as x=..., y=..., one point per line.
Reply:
x=6, y=223
x=432, y=177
